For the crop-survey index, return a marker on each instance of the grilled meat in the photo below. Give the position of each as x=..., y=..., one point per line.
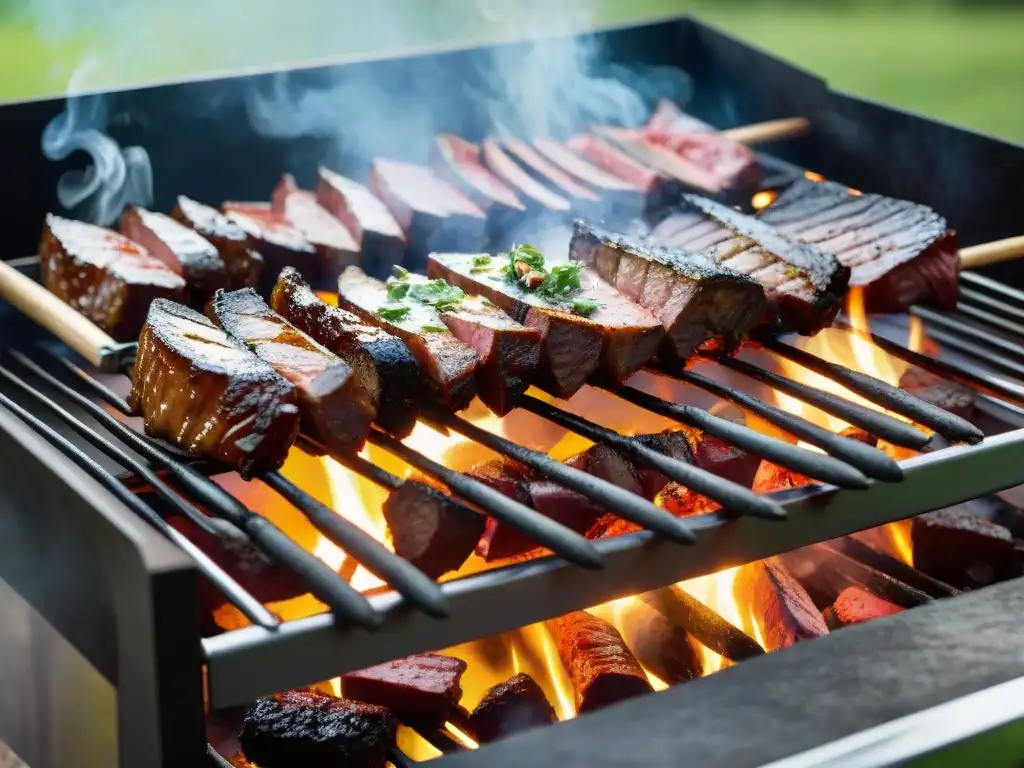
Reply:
x=695, y=298
x=530, y=191
x=616, y=162
x=855, y=606
x=942, y=393
x=424, y=685
x=660, y=645
x=958, y=547
x=900, y=253
x=335, y=247
x=315, y=730
x=616, y=336
x=382, y=363
x=209, y=395
x=447, y=364
x=601, y=668
x=244, y=265
x=105, y=276
x=375, y=230
x=278, y=242
x=625, y=200
x=805, y=286
x=510, y=707
x=434, y=214
x=183, y=250
x=429, y=529
x=336, y=411
x=565, y=185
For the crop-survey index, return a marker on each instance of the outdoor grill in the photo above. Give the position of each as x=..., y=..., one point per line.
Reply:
x=111, y=662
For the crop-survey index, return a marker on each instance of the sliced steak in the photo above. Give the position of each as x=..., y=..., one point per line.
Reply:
x=335, y=247
x=429, y=529
x=278, y=242
x=381, y=362
x=510, y=707
x=616, y=336
x=615, y=161
x=900, y=253
x=106, y=277
x=336, y=411
x=533, y=193
x=197, y=388
x=805, y=286
x=434, y=214
x=183, y=250
x=375, y=230
x=447, y=364
x=244, y=265
x=625, y=199
x=582, y=197
x=695, y=298
x=316, y=730
x=424, y=685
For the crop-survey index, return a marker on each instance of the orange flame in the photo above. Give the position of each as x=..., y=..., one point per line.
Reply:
x=763, y=199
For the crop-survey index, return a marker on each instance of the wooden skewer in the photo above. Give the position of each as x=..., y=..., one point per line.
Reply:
x=771, y=130
x=975, y=256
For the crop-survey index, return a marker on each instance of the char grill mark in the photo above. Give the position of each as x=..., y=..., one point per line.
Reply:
x=899, y=252
x=335, y=247
x=434, y=214
x=510, y=707
x=183, y=250
x=315, y=730
x=448, y=365
x=375, y=230
x=532, y=192
x=381, y=362
x=421, y=686
x=278, y=242
x=617, y=338
x=804, y=285
x=429, y=529
x=335, y=409
x=601, y=668
x=208, y=395
x=244, y=265
x=105, y=276
x=694, y=298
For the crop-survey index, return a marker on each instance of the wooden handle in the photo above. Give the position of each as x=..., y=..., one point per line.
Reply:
x=773, y=130
x=992, y=253
x=54, y=315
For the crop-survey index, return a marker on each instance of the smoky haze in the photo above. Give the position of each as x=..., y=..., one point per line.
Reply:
x=555, y=88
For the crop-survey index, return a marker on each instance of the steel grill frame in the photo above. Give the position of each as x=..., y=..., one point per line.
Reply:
x=243, y=664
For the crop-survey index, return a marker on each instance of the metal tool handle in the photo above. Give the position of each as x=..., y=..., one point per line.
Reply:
x=46, y=309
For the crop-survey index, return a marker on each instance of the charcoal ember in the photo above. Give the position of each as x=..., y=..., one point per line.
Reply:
x=676, y=444
x=431, y=530
x=259, y=575
x=422, y=686
x=660, y=645
x=103, y=275
x=962, y=549
x=315, y=730
x=855, y=606
x=855, y=433
x=771, y=477
x=375, y=230
x=510, y=707
x=787, y=613
x=335, y=246
x=279, y=243
x=433, y=214
x=601, y=667
x=948, y=395
x=607, y=464
x=683, y=502
x=726, y=461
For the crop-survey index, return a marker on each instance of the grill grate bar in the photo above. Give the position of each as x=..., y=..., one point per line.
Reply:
x=809, y=463
x=980, y=281
x=556, y=537
x=735, y=498
x=949, y=323
x=226, y=585
x=969, y=294
x=215, y=758
x=868, y=459
x=987, y=317
x=627, y=505
x=875, y=422
x=949, y=425
x=322, y=581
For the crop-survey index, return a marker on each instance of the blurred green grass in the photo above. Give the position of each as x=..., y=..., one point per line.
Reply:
x=959, y=63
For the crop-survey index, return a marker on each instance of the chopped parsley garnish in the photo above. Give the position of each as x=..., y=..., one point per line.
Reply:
x=429, y=328
x=393, y=314
x=584, y=306
x=436, y=293
x=396, y=289
x=400, y=273
x=482, y=261
x=562, y=281
x=526, y=254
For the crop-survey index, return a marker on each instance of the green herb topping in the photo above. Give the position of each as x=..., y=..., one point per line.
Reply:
x=393, y=314
x=436, y=293
x=584, y=306
x=482, y=261
x=523, y=259
x=562, y=281
x=396, y=290
x=559, y=284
